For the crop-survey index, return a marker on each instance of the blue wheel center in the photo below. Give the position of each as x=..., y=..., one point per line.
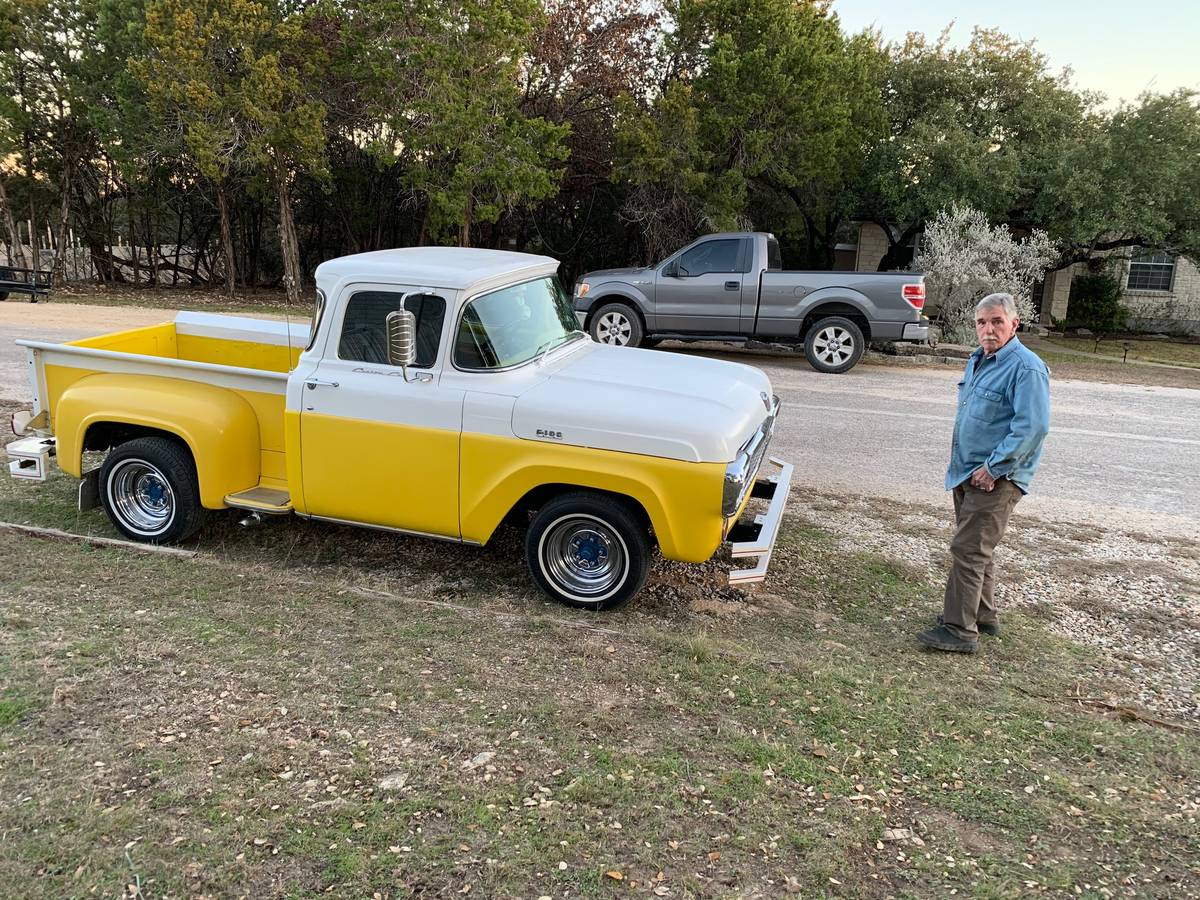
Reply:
x=154, y=490
x=588, y=552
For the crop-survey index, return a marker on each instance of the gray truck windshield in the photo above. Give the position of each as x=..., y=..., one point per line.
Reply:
x=513, y=325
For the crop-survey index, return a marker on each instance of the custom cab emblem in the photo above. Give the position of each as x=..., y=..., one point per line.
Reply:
x=549, y=434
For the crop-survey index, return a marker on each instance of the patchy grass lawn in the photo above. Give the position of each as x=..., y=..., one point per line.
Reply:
x=305, y=709
x=1112, y=371
x=1175, y=353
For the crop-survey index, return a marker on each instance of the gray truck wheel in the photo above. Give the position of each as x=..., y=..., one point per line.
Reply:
x=617, y=324
x=149, y=490
x=587, y=551
x=833, y=345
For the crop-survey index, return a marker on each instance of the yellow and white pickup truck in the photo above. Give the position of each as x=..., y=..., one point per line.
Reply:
x=437, y=392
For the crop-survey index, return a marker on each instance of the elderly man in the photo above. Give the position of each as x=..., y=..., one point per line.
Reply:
x=1003, y=417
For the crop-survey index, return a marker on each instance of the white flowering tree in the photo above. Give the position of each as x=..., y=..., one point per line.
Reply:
x=965, y=258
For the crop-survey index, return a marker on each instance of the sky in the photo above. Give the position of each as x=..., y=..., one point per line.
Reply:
x=1119, y=49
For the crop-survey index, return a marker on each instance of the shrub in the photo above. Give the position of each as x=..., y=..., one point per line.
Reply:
x=964, y=259
x=1095, y=303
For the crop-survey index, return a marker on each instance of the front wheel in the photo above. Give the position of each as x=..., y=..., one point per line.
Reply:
x=149, y=489
x=588, y=551
x=617, y=324
x=833, y=345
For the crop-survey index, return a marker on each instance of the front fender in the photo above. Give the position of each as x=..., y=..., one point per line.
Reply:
x=681, y=499
x=219, y=427
x=619, y=292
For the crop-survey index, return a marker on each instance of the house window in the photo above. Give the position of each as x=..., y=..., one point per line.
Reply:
x=1151, y=272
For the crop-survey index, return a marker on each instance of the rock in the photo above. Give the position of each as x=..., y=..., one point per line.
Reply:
x=1083, y=332
x=1155, y=337
x=956, y=351
x=393, y=782
x=479, y=760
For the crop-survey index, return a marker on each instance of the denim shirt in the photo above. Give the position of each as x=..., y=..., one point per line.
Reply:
x=1003, y=416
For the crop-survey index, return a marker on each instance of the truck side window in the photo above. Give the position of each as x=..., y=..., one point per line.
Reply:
x=364, y=329
x=774, y=257
x=711, y=256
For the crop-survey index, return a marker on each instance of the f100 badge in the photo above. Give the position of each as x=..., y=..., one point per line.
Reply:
x=549, y=435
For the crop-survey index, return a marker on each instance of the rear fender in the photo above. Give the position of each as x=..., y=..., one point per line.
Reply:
x=218, y=426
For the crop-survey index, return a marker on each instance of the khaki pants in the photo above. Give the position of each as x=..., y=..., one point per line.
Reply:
x=981, y=517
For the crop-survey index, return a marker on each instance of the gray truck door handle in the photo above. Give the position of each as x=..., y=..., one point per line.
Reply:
x=312, y=383
x=732, y=285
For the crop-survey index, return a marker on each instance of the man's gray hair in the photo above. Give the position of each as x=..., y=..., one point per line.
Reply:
x=1004, y=301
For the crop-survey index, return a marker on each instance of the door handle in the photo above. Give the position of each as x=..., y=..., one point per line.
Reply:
x=732, y=285
x=312, y=383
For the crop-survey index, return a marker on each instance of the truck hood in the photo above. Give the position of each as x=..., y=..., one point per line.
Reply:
x=605, y=274
x=645, y=401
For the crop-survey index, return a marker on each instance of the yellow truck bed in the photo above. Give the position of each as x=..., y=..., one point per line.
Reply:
x=188, y=358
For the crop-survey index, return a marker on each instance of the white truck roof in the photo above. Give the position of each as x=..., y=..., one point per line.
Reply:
x=458, y=268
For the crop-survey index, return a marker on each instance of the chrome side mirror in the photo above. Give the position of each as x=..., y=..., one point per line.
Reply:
x=401, y=338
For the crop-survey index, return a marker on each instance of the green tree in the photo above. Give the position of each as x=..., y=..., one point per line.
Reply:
x=1131, y=179
x=45, y=131
x=438, y=95
x=760, y=94
x=975, y=125
x=233, y=78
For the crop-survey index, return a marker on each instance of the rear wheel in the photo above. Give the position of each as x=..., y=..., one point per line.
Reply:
x=834, y=345
x=588, y=551
x=149, y=489
x=617, y=324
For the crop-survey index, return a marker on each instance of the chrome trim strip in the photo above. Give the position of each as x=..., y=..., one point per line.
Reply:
x=742, y=472
x=764, y=544
x=424, y=534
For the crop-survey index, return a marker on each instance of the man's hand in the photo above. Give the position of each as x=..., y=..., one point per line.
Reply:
x=982, y=479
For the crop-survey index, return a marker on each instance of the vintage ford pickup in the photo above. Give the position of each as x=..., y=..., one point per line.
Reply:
x=731, y=287
x=438, y=391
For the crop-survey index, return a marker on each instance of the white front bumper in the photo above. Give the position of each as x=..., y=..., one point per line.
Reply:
x=760, y=537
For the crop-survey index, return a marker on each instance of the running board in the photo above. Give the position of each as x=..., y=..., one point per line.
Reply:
x=268, y=501
x=758, y=538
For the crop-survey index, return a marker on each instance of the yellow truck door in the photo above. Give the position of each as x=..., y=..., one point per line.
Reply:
x=377, y=448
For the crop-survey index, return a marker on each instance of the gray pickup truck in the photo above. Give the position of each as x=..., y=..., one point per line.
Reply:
x=732, y=287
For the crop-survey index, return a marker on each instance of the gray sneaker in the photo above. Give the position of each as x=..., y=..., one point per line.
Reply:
x=991, y=629
x=942, y=638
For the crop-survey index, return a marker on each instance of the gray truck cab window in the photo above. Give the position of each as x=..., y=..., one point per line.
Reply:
x=711, y=256
x=364, y=327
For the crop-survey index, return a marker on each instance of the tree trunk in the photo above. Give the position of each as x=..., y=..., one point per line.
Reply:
x=133, y=250
x=178, y=241
x=16, y=252
x=33, y=235
x=287, y=234
x=897, y=245
x=226, y=239
x=464, y=234
x=59, y=266
x=151, y=246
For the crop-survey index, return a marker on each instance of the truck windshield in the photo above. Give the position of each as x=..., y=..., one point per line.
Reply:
x=513, y=325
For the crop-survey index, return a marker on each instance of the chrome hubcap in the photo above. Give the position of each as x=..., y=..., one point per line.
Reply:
x=833, y=345
x=613, y=328
x=584, y=557
x=141, y=497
